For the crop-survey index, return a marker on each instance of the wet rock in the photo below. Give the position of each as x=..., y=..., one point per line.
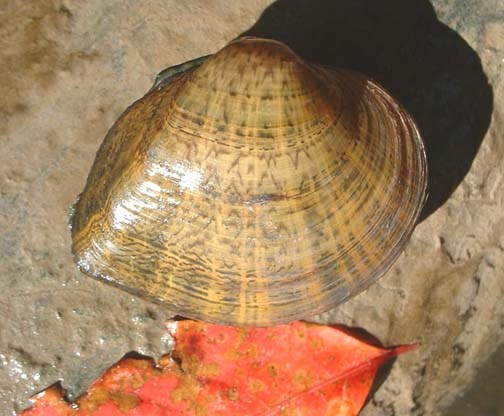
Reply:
x=70, y=68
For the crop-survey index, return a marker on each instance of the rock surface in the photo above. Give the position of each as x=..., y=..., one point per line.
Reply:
x=69, y=68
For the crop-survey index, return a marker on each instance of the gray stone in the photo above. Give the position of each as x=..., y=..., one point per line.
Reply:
x=69, y=68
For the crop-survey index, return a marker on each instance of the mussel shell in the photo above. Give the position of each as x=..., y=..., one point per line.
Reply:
x=252, y=188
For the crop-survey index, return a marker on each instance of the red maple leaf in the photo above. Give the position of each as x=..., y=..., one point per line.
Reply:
x=298, y=369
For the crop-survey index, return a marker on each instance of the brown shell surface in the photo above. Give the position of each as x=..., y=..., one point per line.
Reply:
x=254, y=189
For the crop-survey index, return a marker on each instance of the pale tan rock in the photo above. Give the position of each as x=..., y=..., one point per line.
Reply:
x=69, y=68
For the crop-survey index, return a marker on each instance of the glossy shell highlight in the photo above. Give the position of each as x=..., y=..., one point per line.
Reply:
x=252, y=188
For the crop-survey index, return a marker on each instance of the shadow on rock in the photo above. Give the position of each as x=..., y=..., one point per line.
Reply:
x=401, y=44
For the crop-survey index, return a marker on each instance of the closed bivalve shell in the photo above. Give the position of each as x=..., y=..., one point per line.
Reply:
x=252, y=188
